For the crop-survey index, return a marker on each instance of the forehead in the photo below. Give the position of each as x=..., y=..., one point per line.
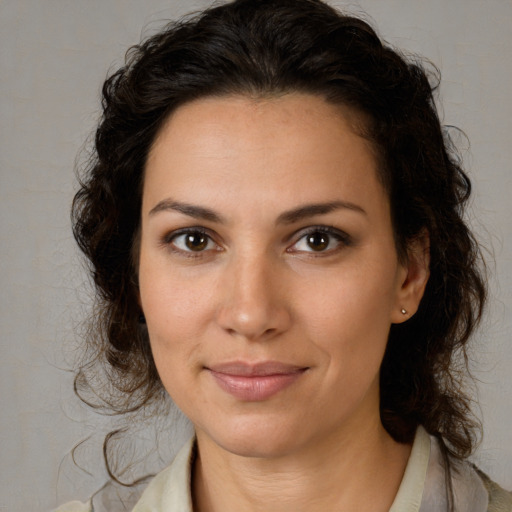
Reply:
x=289, y=111
x=295, y=145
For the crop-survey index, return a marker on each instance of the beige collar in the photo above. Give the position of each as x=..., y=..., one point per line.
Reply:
x=422, y=488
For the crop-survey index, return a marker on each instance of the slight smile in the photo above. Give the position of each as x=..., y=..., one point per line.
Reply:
x=255, y=382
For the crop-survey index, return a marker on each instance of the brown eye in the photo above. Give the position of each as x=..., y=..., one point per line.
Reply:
x=324, y=239
x=318, y=241
x=196, y=241
x=192, y=241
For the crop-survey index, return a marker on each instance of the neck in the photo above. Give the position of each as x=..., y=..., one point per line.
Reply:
x=352, y=472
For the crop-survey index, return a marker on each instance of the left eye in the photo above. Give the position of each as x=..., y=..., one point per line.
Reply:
x=192, y=241
x=318, y=241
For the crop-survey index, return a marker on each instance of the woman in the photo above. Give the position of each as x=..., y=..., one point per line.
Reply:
x=274, y=221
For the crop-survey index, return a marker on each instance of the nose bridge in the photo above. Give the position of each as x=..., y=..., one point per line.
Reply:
x=253, y=304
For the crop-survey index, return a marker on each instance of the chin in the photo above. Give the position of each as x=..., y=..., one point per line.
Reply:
x=257, y=439
x=259, y=447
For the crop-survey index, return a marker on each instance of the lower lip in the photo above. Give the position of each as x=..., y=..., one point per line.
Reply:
x=255, y=388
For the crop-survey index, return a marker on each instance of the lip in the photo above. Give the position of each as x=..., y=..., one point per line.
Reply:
x=255, y=382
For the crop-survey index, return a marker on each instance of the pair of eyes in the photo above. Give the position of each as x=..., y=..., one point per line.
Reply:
x=316, y=240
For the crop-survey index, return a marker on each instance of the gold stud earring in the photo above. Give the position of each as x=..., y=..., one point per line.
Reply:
x=403, y=311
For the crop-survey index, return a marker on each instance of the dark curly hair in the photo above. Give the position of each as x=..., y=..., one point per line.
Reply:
x=262, y=48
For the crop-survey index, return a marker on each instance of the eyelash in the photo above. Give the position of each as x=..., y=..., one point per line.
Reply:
x=169, y=241
x=341, y=238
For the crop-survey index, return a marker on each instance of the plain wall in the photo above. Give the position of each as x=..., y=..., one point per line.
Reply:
x=54, y=56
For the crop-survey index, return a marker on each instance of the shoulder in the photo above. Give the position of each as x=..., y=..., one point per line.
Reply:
x=499, y=499
x=461, y=483
x=75, y=506
x=169, y=490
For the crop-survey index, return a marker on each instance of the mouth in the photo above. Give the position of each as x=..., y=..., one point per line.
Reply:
x=255, y=382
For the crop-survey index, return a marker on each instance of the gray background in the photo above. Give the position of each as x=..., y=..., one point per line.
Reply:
x=54, y=55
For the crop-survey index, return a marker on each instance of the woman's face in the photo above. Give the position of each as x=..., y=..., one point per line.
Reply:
x=268, y=272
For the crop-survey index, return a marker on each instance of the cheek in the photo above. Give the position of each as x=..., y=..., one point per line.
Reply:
x=177, y=314
x=177, y=317
x=348, y=317
x=347, y=301
x=171, y=298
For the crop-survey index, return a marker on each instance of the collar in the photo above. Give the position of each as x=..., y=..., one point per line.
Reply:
x=423, y=487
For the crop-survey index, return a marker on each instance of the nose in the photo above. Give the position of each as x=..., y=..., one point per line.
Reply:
x=254, y=305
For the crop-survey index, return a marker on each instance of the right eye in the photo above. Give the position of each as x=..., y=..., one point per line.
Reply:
x=192, y=241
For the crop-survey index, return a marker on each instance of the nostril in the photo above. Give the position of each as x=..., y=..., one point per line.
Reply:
x=250, y=310
x=251, y=334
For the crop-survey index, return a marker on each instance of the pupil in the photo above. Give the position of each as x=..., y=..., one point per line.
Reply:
x=196, y=241
x=318, y=241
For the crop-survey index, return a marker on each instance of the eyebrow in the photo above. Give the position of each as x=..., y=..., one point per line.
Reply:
x=198, y=212
x=288, y=217
x=310, y=210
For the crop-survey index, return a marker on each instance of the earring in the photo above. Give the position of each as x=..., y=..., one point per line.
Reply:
x=403, y=311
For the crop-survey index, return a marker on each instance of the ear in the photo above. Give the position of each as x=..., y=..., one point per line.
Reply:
x=413, y=278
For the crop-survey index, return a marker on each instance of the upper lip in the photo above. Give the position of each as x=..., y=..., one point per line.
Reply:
x=260, y=369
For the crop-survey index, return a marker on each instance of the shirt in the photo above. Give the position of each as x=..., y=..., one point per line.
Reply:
x=423, y=487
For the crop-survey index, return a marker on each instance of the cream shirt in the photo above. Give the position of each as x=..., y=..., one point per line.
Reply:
x=422, y=489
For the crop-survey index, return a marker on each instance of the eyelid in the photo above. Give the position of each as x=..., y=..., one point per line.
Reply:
x=168, y=238
x=170, y=235
x=339, y=235
x=342, y=237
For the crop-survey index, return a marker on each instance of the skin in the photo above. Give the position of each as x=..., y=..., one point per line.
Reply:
x=253, y=289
